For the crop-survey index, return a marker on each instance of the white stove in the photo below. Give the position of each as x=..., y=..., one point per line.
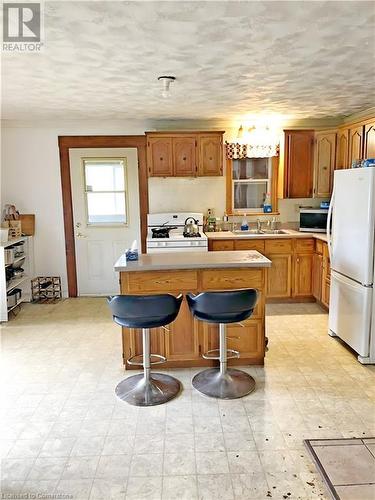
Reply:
x=175, y=241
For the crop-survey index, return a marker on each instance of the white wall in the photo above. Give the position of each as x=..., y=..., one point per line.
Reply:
x=30, y=178
x=187, y=194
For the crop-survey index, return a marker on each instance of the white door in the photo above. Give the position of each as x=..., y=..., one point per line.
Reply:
x=353, y=221
x=106, y=214
x=350, y=312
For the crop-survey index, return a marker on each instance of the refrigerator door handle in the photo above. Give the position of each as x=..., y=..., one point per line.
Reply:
x=329, y=219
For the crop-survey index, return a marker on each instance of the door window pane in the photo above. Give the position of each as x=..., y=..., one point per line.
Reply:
x=105, y=191
x=104, y=175
x=249, y=195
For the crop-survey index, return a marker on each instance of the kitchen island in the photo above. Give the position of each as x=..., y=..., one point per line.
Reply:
x=186, y=339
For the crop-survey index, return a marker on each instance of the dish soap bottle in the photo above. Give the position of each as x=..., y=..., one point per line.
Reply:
x=244, y=224
x=267, y=207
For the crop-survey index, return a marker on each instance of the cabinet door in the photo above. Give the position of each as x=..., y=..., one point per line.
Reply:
x=369, y=142
x=210, y=155
x=132, y=342
x=248, y=339
x=317, y=276
x=303, y=265
x=279, y=276
x=159, y=156
x=325, y=151
x=182, y=336
x=184, y=156
x=298, y=168
x=342, y=149
x=355, y=144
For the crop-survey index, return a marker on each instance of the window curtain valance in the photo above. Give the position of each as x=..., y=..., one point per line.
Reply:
x=237, y=151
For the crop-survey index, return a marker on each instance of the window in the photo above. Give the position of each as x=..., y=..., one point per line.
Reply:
x=251, y=181
x=105, y=191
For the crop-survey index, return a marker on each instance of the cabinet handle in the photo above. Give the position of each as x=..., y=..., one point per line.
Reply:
x=161, y=158
x=234, y=338
x=210, y=158
x=184, y=158
x=325, y=168
x=297, y=260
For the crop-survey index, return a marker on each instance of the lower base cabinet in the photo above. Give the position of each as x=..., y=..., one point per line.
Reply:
x=303, y=269
x=279, y=276
x=317, y=276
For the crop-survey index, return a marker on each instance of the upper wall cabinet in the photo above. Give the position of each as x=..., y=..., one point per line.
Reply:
x=210, y=155
x=182, y=154
x=324, y=163
x=369, y=141
x=159, y=156
x=342, y=149
x=355, y=143
x=298, y=163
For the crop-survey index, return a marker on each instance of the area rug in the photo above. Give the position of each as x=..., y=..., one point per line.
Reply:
x=346, y=465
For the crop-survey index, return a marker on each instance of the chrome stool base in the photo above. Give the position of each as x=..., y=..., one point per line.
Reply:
x=232, y=384
x=139, y=391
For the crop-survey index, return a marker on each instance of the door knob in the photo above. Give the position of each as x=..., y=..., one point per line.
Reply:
x=78, y=224
x=80, y=235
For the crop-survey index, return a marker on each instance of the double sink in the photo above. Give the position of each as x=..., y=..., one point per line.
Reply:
x=260, y=231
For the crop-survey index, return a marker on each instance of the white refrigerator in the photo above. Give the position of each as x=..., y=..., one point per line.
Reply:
x=351, y=218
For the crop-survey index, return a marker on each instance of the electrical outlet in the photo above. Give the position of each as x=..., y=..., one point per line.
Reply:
x=296, y=207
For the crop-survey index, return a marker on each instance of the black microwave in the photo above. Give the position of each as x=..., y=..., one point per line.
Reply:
x=313, y=220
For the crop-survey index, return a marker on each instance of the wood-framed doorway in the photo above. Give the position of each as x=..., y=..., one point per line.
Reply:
x=67, y=142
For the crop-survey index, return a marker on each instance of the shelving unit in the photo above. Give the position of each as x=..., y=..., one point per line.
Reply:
x=22, y=282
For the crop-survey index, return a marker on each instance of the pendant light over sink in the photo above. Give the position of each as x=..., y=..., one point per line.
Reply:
x=166, y=83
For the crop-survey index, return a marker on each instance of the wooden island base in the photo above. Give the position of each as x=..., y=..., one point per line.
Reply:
x=186, y=338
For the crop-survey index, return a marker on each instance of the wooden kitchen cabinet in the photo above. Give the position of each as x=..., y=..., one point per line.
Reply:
x=159, y=156
x=210, y=155
x=133, y=340
x=303, y=267
x=342, y=149
x=182, y=337
x=247, y=338
x=279, y=276
x=324, y=163
x=355, y=143
x=317, y=276
x=298, y=163
x=184, y=154
x=369, y=141
x=220, y=245
x=326, y=276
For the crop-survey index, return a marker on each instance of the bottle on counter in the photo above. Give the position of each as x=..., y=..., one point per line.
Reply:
x=210, y=220
x=244, y=224
x=267, y=207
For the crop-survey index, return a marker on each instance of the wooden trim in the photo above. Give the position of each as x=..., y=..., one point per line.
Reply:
x=97, y=141
x=229, y=189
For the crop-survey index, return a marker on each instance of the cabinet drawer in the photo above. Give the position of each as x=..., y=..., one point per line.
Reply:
x=305, y=246
x=225, y=279
x=162, y=281
x=319, y=247
x=278, y=246
x=249, y=245
x=222, y=245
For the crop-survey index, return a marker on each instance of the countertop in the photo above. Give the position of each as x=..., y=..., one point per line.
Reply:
x=193, y=260
x=289, y=233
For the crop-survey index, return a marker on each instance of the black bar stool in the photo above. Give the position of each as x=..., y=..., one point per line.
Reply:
x=224, y=307
x=146, y=311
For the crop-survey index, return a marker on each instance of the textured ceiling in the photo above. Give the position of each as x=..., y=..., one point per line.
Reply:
x=101, y=60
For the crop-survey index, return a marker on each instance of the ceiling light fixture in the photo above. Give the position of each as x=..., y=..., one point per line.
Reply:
x=166, y=82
